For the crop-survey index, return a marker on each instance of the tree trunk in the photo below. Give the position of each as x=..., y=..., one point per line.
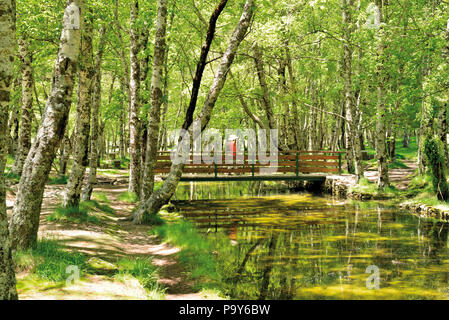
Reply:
x=351, y=107
x=266, y=100
x=156, y=101
x=164, y=194
x=27, y=208
x=94, y=139
x=83, y=114
x=7, y=48
x=381, y=134
x=134, y=121
x=27, y=107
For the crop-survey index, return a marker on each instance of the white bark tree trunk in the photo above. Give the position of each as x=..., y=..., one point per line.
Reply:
x=83, y=115
x=27, y=208
x=134, y=120
x=156, y=101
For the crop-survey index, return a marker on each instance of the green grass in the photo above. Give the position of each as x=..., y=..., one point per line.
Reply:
x=128, y=197
x=9, y=160
x=60, y=180
x=48, y=260
x=100, y=196
x=196, y=252
x=365, y=187
x=75, y=214
x=15, y=178
x=143, y=270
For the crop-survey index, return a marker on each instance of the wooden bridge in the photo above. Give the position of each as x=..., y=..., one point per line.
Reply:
x=290, y=166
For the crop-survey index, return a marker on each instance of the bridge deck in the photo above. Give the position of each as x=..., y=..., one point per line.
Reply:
x=289, y=166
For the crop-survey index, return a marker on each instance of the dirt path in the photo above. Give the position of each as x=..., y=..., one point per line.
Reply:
x=110, y=240
x=400, y=178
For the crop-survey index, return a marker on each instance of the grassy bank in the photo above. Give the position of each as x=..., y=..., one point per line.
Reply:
x=197, y=255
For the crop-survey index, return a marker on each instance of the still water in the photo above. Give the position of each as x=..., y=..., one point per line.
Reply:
x=272, y=243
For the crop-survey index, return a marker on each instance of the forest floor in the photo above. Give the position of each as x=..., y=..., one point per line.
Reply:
x=109, y=240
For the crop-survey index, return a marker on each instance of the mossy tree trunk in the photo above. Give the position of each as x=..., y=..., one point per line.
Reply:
x=94, y=139
x=27, y=208
x=7, y=48
x=436, y=159
x=24, y=145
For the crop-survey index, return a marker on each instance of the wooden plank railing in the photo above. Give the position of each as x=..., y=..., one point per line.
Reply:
x=297, y=162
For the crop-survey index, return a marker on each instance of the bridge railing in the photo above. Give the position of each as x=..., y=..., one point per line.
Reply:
x=295, y=162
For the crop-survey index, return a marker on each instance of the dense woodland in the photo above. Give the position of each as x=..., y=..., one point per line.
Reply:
x=89, y=83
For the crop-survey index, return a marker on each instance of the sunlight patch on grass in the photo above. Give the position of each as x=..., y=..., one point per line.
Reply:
x=128, y=197
x=73, y=214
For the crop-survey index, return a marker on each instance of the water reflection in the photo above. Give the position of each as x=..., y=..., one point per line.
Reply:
x=273, y=244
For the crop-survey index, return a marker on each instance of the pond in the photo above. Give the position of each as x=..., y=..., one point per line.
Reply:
x=272, y=243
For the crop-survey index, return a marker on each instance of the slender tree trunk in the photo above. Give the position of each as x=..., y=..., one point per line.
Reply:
x=7, y=48
x=94, y=139
x=156, y=100
x=65, y=151
x=164, y=194
x=258, y=60
x=13, y=123
x=72, y=194
x=382, y=157
x=134, y=120
x=294, y=103
x=27, y=208
x=27, y=107
x=351, y=107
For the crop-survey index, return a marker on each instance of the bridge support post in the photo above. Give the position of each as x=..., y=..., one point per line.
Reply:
x=297, y=165
x=339, y=164
x=215, y=170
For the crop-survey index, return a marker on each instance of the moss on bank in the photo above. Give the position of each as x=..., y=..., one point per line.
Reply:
x=366, y=190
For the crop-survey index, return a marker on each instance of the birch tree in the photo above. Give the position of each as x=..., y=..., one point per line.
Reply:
x=164, y=194
x=381, y=150
x=24, y=145
x=96, y=103
x=83, y=116
x=134, y=120
x=350, y=106
x=27, y=207
x=156, y=100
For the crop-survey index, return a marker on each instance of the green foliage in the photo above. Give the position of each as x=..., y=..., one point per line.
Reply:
x=433, y=149
x=49, y=260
